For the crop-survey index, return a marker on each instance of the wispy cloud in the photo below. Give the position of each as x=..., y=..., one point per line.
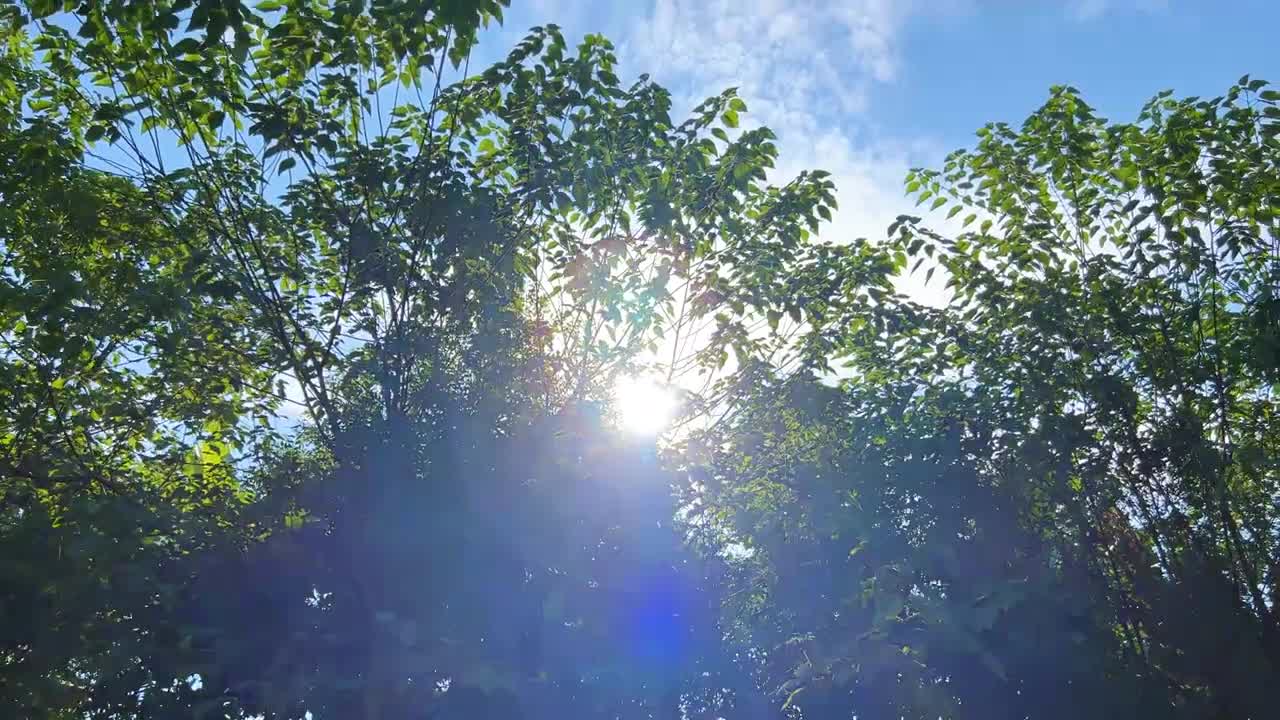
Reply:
x=813, y=58
x=1093, y=9
x=808, y=70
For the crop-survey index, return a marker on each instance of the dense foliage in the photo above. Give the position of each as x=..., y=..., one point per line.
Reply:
x=1058, y=495
x=310, y=331
x=306, y=355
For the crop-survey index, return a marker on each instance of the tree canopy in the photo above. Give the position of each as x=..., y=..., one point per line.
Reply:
x=311, y=331
x=1056, y=495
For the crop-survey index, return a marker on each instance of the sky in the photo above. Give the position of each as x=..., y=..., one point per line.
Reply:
x=866, y=89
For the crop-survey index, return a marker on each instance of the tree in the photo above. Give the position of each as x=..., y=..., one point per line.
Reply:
x=287, y=211
x=123, y=377
x=1056, y=495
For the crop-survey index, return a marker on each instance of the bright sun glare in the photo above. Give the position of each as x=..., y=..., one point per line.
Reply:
x=643, y=406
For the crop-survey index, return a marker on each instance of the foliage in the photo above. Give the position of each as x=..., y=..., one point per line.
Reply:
x=1057, y=495
x=123, y=377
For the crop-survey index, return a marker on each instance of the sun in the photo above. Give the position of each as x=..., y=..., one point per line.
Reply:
x=643, y=406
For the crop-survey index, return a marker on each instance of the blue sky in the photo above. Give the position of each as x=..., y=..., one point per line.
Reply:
x=868, y=88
